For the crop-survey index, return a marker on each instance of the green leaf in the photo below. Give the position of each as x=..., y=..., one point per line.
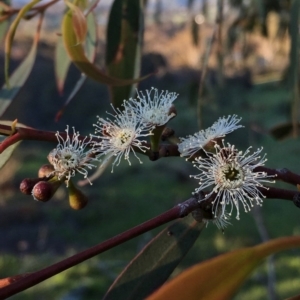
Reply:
x=91, y=38
x=11, y=34
x=18, y=78
x=3, y=28
x=220, y=277
x=78, y=57
x=6, y=154
x=79, y=23
x=90, y=46
x=155, y=263
x=123, y=48
x=62, y=63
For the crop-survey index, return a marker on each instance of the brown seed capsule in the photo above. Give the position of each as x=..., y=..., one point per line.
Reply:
x=44, y=190
x=77, y=199
x=27, y=185
x=45, y=170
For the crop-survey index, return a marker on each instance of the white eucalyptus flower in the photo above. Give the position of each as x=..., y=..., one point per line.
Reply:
x=220, y=219
x=221, y=222
x=231, y=175
x=193, y=143
x=153, y=107
x=120, y=136
x=69, y=157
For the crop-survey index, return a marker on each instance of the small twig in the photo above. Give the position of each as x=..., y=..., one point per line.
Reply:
x=281, y=174
x=92, y=8
x=276, y=193
x=25, y=133
x=10, y=11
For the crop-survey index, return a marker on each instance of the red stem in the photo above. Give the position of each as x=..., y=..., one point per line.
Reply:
x=26, y=133
x=281, y=174
x=34, y=278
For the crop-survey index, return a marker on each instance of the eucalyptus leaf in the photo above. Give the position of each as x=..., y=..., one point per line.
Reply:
x=123, y=48
x=220, y=277
x=77, y=54
x=156, y=262
x=18, y=78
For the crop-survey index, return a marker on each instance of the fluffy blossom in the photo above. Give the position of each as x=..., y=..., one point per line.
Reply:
x=120, y=136
x=193, y=143
x=220, y=220
x=154, y=107
x=231, y=175
x=70, y=157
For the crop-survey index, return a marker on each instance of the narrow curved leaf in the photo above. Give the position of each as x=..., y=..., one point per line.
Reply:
x=6, y=154
x=3, y=28
x=62, y=64
x=155, y=263
x=11, y=34
x=123, y=48
x=90, y=46
x=20, y=75
x=79, y=22
x=78, y=57
x=220, y=277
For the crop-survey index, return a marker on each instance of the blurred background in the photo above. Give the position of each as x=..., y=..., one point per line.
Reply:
x=241, y=61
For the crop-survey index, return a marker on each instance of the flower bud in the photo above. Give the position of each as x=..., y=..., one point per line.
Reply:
x=44, y=190
x=155, y=137
x=77, y=199
x=167, y=133
x=45, y=171
x=172, y=111
x=27, y=185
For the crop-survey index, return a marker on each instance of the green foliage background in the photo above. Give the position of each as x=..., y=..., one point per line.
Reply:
x=34, y=234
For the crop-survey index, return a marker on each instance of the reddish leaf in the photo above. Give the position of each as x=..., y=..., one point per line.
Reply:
x=78, y=57
x=79, y=22
x=220, y=277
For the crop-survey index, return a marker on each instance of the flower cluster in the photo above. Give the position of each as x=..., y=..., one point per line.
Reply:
x=117, y=136
x=120, y=136
x=70, y=156
x=193, y=143
x=154, y=110
x=232, y=176
x=229, y=173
